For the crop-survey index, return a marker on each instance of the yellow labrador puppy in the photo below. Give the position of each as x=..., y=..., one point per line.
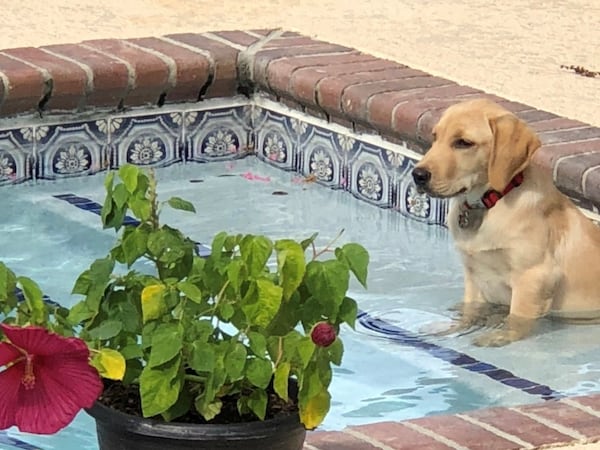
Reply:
x=523, y=243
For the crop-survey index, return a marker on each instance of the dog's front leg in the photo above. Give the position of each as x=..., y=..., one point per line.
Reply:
x=532, y=295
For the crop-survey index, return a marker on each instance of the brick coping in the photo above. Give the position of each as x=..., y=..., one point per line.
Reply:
x=331, y=81
x=339, y=84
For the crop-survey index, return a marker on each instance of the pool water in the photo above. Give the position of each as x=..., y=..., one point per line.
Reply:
x=391, y=369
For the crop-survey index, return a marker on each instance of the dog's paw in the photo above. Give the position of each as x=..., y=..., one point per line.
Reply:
x=496, y=338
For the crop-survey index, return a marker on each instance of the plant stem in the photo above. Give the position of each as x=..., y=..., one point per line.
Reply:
x=327, y=247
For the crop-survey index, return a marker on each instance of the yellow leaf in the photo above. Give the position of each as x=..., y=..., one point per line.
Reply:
x=153, y=305
x=110, y=364
x=314, y=410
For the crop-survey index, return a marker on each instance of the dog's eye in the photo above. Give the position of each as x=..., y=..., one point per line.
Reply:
x=463, y=143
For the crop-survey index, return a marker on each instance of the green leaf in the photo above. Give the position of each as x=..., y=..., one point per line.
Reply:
x=134, y=245
x=328, y=281
x=259, y=372
x=108, y=181
x=348, y=311
x=336, y=351
x=181, y=204
x=235, y=360
x=202, y=358
x=190, y=290
x=129, y=174
x=109, y=363
x=106, y=330
x=256, y=251
x=180, y=408
x=236, y=274
x=209, y=411
x=258, y=343
x=160, y=387
x=120, y=195
x=33, y=297
x=314, y=409
x=153, y=304
x=141, y=208
x=262, y=302
x=305, y=348
x=281, y=379
x=167, y=342
x=357, y=258
x=291, y=265
x=217, y=244
x=307, y=242
x=257, y=402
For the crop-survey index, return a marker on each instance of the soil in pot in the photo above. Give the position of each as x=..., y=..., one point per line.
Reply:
x=121, y=426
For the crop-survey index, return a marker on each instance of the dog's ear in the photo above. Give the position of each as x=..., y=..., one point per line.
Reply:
x=514, y=145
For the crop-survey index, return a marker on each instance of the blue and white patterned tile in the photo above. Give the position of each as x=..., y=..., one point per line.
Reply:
x=16, y=156
x=277, y=141
x=417, y=205
x=69, y=149
x=368, y=179
x=319, y=158
x=146, y=140
x=214, y=135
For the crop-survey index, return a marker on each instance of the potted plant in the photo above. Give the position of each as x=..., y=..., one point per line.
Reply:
x=218, y=352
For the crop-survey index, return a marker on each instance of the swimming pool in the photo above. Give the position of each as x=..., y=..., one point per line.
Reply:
x=391, y=370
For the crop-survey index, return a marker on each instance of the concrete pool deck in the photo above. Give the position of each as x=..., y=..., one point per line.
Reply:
x=517, y=52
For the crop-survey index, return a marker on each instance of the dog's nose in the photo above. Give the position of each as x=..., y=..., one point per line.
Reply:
x=421, y=176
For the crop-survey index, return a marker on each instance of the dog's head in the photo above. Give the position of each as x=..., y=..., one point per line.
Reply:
x=477, y=145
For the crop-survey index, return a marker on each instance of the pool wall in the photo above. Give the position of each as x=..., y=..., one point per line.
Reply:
x=346, y=119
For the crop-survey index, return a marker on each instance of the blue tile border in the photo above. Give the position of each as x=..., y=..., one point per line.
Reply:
x=456, y=358
x=15, y=443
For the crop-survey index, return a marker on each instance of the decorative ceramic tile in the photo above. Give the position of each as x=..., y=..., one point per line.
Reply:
x=16, y=156
x=150, y=140
x=416, y=205
x=217, y=135
x=320, y=159
x=276, y=140
x=70, y=149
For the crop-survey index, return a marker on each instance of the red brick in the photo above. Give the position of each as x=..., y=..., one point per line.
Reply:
x=331, y=89
x=304, y=81
x=567, y=416
x=26, y=87
x=406, y=115
x=224, y=83
x=192, y=69
x=400, y=437
x=324, y=440
x=150, y=77
x=465, y=433
x=514, y=107
x=238, y=37
x=380, y=106
x=68, y=80
x=549, y=154
x=535, y=115
x=262, y=32
x=518, y=425
x=283, y=74
x=580, y=134
x=355, y=98
x=110, y=76
x=560, y=123
x=593, y=400
x=265, y=57
x=291, y=41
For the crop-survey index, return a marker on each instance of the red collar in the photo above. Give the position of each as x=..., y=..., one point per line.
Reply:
x=491, y=197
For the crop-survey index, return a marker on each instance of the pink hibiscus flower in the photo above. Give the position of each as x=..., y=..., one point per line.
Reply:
x=45, y=379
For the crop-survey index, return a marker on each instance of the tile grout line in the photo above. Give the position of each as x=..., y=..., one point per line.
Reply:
x=498, y=432
x=575, y=404
x=563, y=429
x=432, y=434
x=363, y=437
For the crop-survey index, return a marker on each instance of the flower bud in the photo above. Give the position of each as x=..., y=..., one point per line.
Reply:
x=323, y=334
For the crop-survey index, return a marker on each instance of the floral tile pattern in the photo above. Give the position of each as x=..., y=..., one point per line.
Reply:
x=371, y=170
x=69, y=150
x=214, y=135
x=16, y=156
x=149, y=140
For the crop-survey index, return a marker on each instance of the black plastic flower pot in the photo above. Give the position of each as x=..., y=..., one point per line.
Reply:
x=120, y=431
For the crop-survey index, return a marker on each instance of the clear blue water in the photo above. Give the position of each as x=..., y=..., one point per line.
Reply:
x=415, y=276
